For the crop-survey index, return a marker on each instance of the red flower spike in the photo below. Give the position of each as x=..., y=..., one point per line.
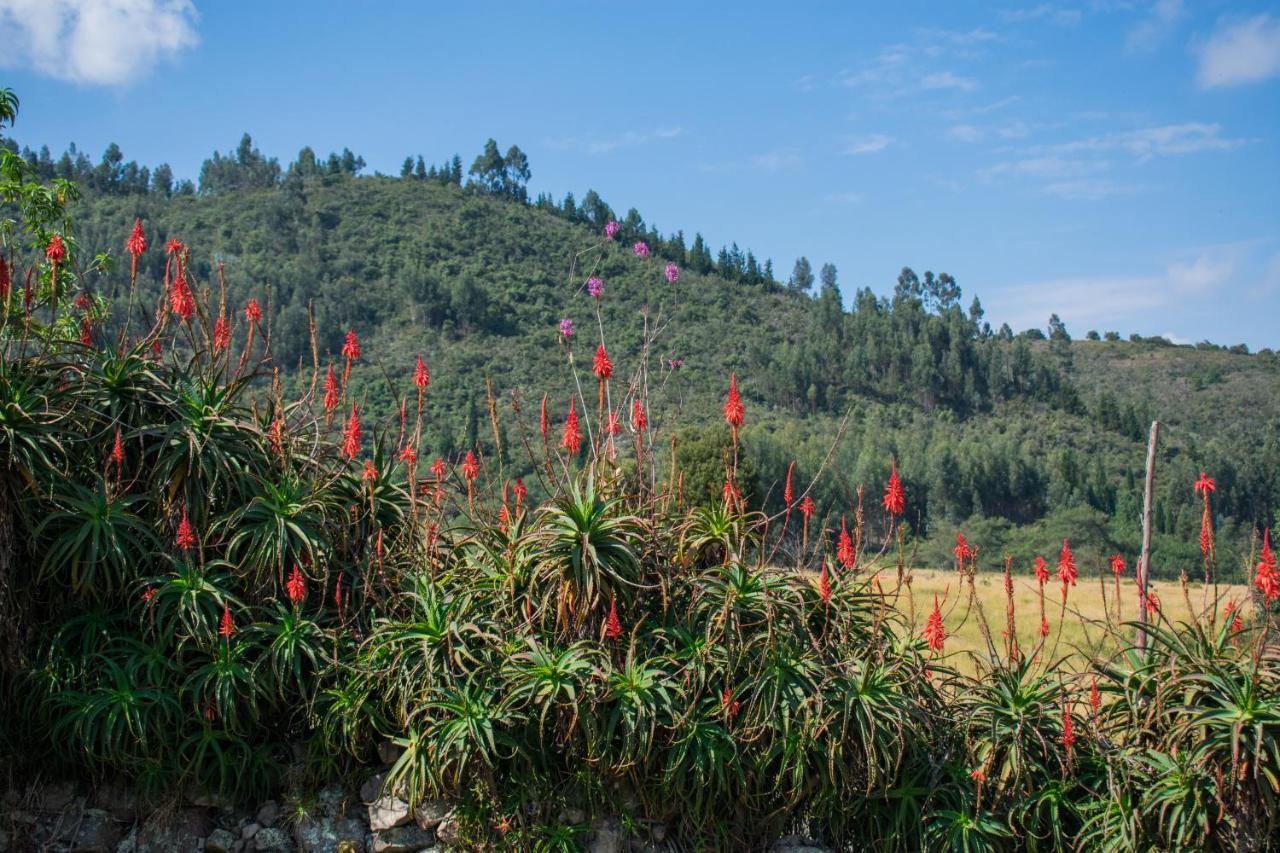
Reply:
x=844, y=551
x=807, y=506
x=895, y=499
x=824, y=585
x=181, y=299
x=148, y=594
x=56, y=250
x=117, y=452
x=1205, y=484
x=408, y=455
x=253, y=312
x=421, y=376
x=601, y=366
x=639, y=419
x=137, y=242
x=788, y=495
x=1267, y=579
x=613, y=626
x=571, y=440
x=226, y=627
x=296, y=587
x=370, y=473
x=1117, y=565
x=1152, y=603
x=351, y=435
x=470, y=466
x=1042, y=571
x=734, y=412
x=438, y=468
x=174, y=246
x=6, y=279
x=186, y=536
x=520, y=492
x=544, y=422
x=962, y=550
x=1068, y=730
x=331, y=395
x=934, y=632
x=1095, y=698
x=1066, y=567
x=351, y=346
x=1044, y=627
x=221, y=335
x=613, y=424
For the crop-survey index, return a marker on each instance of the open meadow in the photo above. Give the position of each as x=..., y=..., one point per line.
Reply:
x=1084, y=630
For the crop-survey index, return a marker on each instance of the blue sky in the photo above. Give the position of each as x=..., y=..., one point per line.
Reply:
x=1116, y=162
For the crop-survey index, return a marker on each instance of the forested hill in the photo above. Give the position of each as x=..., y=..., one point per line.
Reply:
x=1017, y=438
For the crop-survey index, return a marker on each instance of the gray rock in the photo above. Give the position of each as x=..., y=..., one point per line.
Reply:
x=388, y=811
x=606, y=837
x=268, y=814
x=388, y=752
x=448, y=832
x=372, y=788
x=429, y=813
x=249, y=830
x=333, y=800
x=121, y=802
x=177, y=833
x=272, y=838
x=327, y=835
x=238, y=846
x=55, y=797
x=220, y=841
x=402, y=839
x=798, y=844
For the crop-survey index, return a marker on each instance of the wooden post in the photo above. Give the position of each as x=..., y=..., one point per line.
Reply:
x=1144, y=561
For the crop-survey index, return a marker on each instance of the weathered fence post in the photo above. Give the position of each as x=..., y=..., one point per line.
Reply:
x=1144, y=561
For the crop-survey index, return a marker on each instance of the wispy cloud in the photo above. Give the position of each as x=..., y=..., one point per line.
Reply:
x=871, y=144
x=781, y=160
x=1160, y=141
x=99, y=42
x=1156, y=26
x=911, y=66
x=592, y=144
x=948, y=80
x=1057, y=15
x=1076, y=169
x=970, y=133
x=1094, y=299
x=1241, y=52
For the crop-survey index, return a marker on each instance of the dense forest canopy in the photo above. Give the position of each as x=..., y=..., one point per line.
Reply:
x=1011, y=436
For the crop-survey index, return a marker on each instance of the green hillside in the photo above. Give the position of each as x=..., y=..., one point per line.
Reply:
x=1012, y=438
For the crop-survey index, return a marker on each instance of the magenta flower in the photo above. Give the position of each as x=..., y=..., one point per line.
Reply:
x=673, y=273
x=595, y=287
x=566, y=327
x=641, y=249
x=675, y=363
x=611, y=229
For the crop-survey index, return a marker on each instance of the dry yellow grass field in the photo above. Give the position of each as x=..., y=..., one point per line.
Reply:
x=1079, y=632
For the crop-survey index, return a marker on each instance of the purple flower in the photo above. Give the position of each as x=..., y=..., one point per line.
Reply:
x=675, y=363
x=641, y=249
x=673, y=273
x=610, y=229
x=595, y=287
x=566, y=327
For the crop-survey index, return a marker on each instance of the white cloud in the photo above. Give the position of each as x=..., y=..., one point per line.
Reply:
x=872, y=144
x=591, y=144
x=1107, y=298
x=1156, y=27
x=965, y=133
x=104, y=42
x=1243, y=52
x=1163, y=140
x=768, y=162
x=1056, y=15
x=948, y=80
x=1085, y=189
